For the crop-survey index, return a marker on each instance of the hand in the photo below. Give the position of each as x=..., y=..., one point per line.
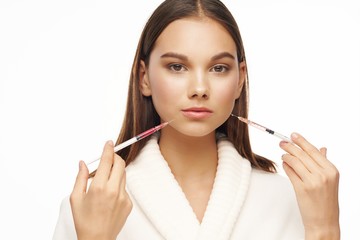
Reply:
x=316, y=182
x=101, y=212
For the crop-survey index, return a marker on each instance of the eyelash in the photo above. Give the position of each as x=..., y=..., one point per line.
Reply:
x=224, y=68
x=171, y=67
x=174, y=65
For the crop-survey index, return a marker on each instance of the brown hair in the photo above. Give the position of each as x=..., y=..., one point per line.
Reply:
x=140, y=113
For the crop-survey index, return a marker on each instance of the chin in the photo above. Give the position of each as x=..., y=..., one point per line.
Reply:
x=196, y=129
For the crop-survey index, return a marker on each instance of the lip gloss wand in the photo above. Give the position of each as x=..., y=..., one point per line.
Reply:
x=262, y=128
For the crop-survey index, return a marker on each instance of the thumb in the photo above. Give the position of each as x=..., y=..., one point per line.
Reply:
x=81, y=179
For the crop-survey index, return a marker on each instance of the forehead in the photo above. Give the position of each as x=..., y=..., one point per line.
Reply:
x=200, y=34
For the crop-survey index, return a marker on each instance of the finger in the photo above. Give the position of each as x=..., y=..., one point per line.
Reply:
x=81, y=179
x=310, y=150
x=123, y=182
x=301, y=156
x=294, y=178
x=117, y=172
x=123, y=192
x=297, y=166
x=105, y=165
x=330, y=167
x=323, y=151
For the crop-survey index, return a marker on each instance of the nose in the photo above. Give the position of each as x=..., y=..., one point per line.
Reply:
x=199, y=87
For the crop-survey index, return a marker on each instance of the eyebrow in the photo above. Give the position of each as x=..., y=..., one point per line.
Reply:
x=222, y=55
x=185, y=58
x=175, y=55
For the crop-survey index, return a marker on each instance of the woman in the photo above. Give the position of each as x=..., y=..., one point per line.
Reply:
x=198, y=178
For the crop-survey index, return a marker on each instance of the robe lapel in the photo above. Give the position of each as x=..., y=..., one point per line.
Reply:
x=228, y=194
x=159, y=196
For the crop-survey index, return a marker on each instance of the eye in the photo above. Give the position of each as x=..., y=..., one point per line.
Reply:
x=177, y=67
x=219, y=68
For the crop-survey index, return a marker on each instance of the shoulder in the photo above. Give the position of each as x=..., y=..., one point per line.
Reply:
x=271, y=190
x=268, y=178
x=270, y=183
x=271, y=206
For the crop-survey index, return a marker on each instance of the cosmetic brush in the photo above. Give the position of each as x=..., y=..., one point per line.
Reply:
x=262, y=128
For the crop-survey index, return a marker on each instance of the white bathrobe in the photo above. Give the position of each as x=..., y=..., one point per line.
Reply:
x=244, y=204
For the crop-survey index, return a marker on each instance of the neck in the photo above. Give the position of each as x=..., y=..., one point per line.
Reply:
x=189, y=157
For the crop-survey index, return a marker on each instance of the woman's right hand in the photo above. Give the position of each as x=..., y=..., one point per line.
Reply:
x=101, y=211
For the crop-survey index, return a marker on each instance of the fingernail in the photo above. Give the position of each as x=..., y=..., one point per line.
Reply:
x=294, y=135
x=110, y=143
x=283, y=143
x=80, y=165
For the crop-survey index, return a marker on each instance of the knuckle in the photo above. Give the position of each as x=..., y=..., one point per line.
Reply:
x=302, y=155
x=107, y=155
x=323, y=180
x=123, y=198
x=287, y=158
x=97, y=188
x=312, y=186
x=337, y=174
x=333, y=173
x=125, y=201
x=128, y=204
x=106, y=158
x=312, y=151
x=112, y=193
x=72, y=198
x=294, y=162
x=120, y=161
x=316, y=183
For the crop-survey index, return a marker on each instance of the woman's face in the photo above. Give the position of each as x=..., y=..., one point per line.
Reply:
x=193, y=75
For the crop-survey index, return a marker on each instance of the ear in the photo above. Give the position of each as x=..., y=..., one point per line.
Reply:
x=144, y=80
x=242, y=78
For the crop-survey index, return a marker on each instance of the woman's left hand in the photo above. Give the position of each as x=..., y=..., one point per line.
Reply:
x=316, y=182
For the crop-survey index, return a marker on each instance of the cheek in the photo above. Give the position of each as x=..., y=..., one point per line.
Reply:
x=163, y=89
x=226, y=93
x=166, y=93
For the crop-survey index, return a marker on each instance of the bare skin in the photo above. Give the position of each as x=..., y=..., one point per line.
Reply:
x=316, y=182
x=193, y=161
x=101, y=212
x=182, y=76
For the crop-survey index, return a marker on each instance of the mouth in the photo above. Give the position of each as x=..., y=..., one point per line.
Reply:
x=197, y=113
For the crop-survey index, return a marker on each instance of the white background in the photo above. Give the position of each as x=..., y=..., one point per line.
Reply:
x=64, y=69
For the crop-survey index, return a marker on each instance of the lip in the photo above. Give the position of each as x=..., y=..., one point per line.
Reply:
x=197, y=112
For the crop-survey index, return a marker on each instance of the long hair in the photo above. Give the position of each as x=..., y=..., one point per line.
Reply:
x=140, y=113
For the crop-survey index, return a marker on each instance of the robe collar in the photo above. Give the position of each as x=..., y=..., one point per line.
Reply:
x=152, y=185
